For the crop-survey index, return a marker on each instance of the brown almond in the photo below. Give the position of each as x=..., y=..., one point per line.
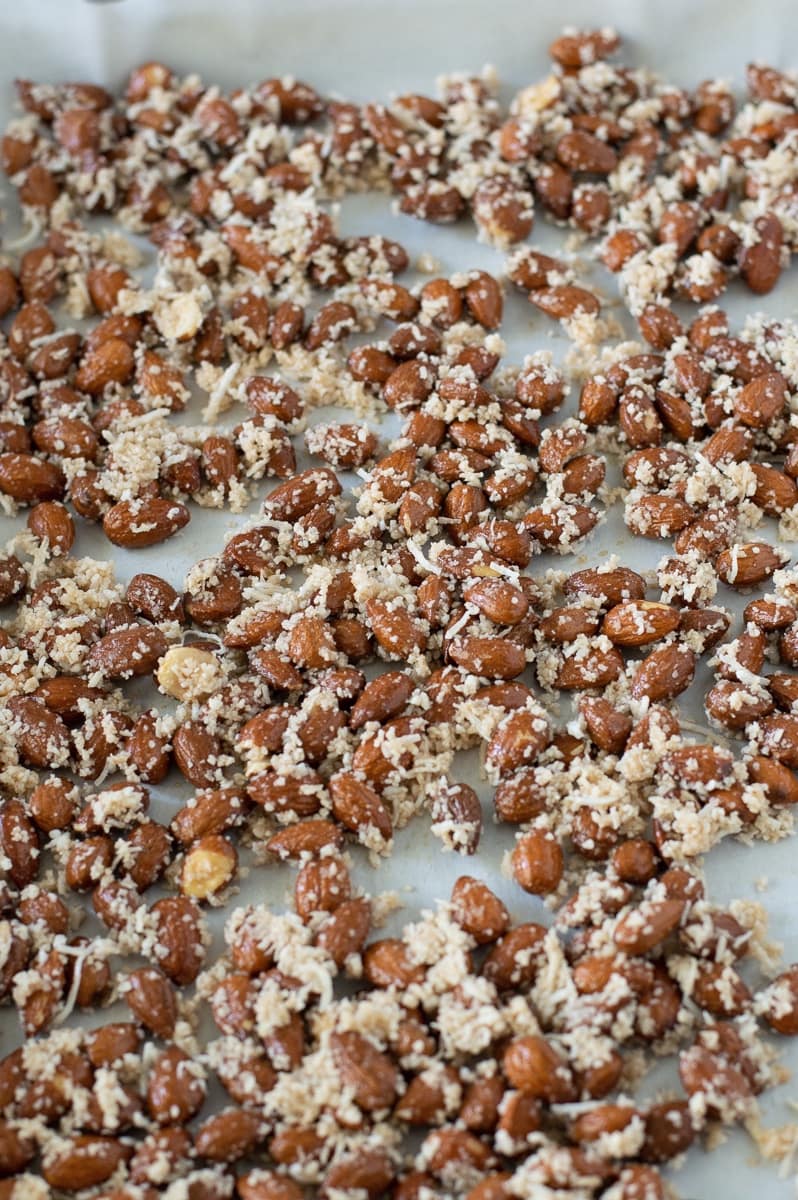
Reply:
x=639, y=622
x=370, y=1073
x=129, y=651
x=359, y=808
x=748, y=564
x=646, y=926
x=664, y=674
x=145, y=522
x=492, y=657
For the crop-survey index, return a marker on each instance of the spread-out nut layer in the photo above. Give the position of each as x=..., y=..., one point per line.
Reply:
x=512, y=1051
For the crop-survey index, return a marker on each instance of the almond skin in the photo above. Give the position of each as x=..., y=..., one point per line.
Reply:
x=136, y=523
x=638, y=622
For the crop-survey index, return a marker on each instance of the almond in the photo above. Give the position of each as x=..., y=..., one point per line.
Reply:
x=647, y=925
x=41, y=734
x=537, y=863
x=532, y=1065
x=492, y=657
x=611, y=587
x=345, y=930
x=305, y=837
x=762, y=400
x=607, y=728
x=381, y=699
x=396, y=631
x=517, y=742
x=299, y=495
x=598, y=667
x=180, y=938
x=748, y=564
x=152, y=1000
x=29, y=480
x=370, y=1074
x=513, y=961
x=664, y=674
x=500, y=601
x=760, y=262
x=146, y=522
x=131, y=650
x=565, y=301
x=658, y=516
x=480, y=913
x=84, y=1161
x=638, y=622
x=359, y=808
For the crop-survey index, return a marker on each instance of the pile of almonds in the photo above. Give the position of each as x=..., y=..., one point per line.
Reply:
x=319, y=676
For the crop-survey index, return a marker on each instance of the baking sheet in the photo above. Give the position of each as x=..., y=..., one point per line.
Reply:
x=366, y=49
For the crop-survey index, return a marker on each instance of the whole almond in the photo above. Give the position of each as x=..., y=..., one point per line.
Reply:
x=41, y=735
x=152, y=1000
x=483, y=297
x=607, y=728
x=84, y=1161
x=131, y=650
x=611, y=587
x=517, y=742
x=370, y=1074
x=228, y=1135
x=564, y=301
x=19, y=842
x=537, y=863
x=299, y=495
x=345, y=930
x=748, y=564
x=580, y=151
x=532, y=1065
x=145, y=522
x=493, y=657
x=665, y=673
x=514, y=961
x=638, y=622
x=111, y=361
x=600, y=666
x=658, y=516
x=647, y=925
x=499, y=600
x=175, y=1090
x=29, y=480
x=760, y=263
x=478, y=910
x=359, y=808
x=181, y=949
x=762, y=400
x=396, y=631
